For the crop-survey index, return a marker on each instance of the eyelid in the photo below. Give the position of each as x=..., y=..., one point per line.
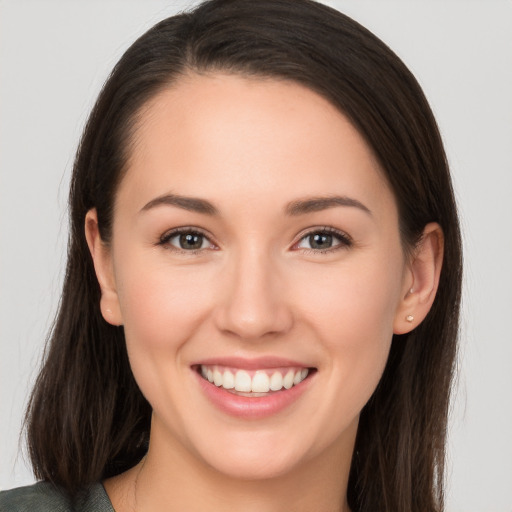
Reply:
x=345, y=239
x=171, y=233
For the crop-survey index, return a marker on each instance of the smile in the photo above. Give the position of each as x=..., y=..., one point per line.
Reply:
x=253, y=389
x=253, y=382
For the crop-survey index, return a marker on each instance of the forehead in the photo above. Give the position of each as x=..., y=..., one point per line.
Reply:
x=229, y=136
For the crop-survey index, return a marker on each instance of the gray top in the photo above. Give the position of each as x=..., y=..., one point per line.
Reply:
x=45, y=497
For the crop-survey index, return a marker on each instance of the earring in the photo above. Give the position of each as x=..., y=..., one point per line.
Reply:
x=409, y=318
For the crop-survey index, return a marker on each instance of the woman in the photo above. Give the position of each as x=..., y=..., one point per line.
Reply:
x=263, y=278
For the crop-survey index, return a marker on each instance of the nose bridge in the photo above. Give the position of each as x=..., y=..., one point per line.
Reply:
x=254, y=302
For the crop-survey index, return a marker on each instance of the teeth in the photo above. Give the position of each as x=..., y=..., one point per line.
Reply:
x=262, y=381
x=228, y=381
x=242, y=381
x=276, y=381
x=217, y=378
x=288, y=380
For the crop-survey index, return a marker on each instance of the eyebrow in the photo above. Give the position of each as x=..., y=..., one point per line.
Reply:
x=316, y=204
x=294, y=208
x=192, y=204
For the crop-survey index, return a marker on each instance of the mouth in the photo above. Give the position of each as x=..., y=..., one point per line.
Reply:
x=254, y=383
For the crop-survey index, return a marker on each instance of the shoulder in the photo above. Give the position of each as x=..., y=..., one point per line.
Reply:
x=38, y=497
x=45, y=497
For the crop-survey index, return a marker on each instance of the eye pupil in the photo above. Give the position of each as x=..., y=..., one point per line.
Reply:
x=320, y=241
x=191, y=241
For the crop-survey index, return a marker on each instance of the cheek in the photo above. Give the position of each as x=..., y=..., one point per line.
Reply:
x=161, y=309
x=159, y=306
x=353, y=313
x=354, y=302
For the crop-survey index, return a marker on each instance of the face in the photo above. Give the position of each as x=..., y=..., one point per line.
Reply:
x=256, y=245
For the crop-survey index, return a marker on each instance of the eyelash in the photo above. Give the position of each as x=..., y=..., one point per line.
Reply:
x=345, y=241
x=166, y=237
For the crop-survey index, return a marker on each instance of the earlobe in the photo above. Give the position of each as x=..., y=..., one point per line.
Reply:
x=422, y=280
x=101, y=256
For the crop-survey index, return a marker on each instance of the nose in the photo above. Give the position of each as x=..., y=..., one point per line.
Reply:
x=253, y=302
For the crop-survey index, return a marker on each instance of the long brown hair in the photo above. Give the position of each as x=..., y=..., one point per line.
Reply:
x=87, y=419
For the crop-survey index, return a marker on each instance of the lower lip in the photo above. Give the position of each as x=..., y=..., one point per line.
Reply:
x=252, y=407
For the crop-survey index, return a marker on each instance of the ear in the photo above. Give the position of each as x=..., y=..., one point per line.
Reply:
x=421, y=280
x=101, y=255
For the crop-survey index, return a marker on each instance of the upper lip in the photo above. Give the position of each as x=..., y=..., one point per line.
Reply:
x=256, y=363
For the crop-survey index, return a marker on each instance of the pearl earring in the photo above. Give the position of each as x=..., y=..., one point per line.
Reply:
x=409, y=318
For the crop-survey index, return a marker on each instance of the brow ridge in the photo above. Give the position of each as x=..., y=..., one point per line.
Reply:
x=294, y=208
x=315, y=204
x=193, y=204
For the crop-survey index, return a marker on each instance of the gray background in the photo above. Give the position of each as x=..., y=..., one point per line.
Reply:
x=54, y=56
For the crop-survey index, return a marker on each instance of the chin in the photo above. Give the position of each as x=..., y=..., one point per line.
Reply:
x=256, y=456
x=258, y=467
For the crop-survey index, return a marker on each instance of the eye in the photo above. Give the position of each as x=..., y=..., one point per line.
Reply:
x=186, y=240
x=324, y=240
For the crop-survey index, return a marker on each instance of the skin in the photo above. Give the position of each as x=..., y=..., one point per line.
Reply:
x=255, y=288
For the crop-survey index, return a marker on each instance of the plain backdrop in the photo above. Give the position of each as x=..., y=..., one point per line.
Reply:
x=54, y=57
